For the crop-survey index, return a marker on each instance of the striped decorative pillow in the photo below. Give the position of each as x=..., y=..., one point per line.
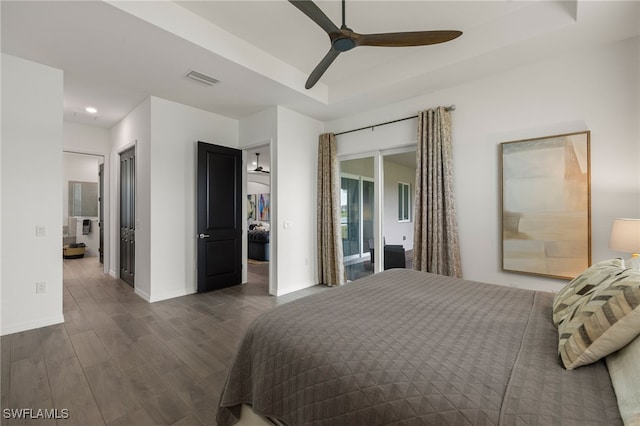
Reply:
x=601, y=322
x=582, y=286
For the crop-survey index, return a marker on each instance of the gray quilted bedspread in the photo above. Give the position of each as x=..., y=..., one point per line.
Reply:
x=409, y=348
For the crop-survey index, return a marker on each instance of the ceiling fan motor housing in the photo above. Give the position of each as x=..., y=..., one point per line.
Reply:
x=343, y=41
x=343, y=44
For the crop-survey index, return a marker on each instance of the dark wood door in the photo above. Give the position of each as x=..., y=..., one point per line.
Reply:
x=101, y=212
x=219, y=217
x=128, y=216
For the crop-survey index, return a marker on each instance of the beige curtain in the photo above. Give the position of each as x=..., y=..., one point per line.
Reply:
x=436, y=247
x=330, y=263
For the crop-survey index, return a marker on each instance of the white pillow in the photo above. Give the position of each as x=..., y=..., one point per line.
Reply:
x=624, y=369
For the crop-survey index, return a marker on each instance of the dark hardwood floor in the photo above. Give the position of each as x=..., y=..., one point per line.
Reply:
x=118, y=360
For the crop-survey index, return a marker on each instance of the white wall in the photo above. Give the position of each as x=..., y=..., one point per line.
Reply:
x=32, y=100
x=593, y=90
x=1, y=181
x=175, y=131
x=394, y=231
x=133, y=130
x=257, y=184
x=358, y=167
x=259, y=128
x=86, y=139
x=1, y=221
x=294, y=189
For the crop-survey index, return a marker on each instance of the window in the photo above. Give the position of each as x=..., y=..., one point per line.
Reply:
x=404, y=202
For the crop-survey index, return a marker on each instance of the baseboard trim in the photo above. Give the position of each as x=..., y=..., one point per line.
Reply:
x=172, y=295
x=294, y=288
x=163, y=296
x=142, y=294
x=30, y=325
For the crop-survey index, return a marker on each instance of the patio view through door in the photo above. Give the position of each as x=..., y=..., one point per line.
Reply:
x=389, y=178
x=357, y=191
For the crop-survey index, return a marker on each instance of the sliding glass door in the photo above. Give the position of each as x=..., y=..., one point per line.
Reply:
x=356, y=204
x=357, y=192
x=376, y=195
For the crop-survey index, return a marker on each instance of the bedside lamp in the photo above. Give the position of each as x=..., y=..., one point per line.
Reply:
x=625, y=236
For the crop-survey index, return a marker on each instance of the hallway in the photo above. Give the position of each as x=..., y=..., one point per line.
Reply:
x=119, y=360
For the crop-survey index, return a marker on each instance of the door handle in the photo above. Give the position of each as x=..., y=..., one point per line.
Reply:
x=203, y=236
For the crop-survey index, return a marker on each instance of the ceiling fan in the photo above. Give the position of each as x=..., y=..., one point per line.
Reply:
x=259, y=168
x=344, y=38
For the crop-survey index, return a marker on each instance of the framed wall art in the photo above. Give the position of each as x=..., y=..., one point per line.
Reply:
x=263, y=206
x=251, y=207
x=546, y=205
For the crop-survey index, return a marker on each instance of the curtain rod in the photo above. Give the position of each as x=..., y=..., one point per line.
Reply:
x=449, y=108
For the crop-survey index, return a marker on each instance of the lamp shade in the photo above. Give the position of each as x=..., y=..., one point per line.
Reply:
x=625, y=235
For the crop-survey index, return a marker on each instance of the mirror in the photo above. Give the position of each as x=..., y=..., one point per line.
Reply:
x=83, y=199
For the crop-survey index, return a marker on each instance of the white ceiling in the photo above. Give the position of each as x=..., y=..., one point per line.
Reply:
x=115, y=54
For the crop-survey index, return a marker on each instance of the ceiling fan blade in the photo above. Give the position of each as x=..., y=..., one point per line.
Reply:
x=310, y=9
x=413, y=38
x=321, y=68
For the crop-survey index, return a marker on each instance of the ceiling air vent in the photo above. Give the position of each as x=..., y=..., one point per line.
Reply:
x=202, y=78
x=85, y=116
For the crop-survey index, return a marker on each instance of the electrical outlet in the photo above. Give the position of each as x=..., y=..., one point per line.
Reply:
x=41, y=287
x=41, y=231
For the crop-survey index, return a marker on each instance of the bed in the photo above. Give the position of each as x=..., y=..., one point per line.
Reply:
x=407, y=347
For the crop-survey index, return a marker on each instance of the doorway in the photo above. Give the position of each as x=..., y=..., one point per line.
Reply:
x=398, y=204
x=357, y=215
x=376, y=202
x=81, y=205
x=258, y=218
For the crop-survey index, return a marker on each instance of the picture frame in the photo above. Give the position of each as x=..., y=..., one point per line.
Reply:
x=546, y=205
x=251, y=207
x=263, y=207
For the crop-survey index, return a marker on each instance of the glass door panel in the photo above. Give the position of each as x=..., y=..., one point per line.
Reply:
x=350, y=215
x=357, y=192
x=368, y=209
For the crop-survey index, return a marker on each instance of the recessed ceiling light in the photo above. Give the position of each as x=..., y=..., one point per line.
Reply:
x=91, y=110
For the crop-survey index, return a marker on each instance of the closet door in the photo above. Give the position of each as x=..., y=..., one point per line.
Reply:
x=127, y=215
